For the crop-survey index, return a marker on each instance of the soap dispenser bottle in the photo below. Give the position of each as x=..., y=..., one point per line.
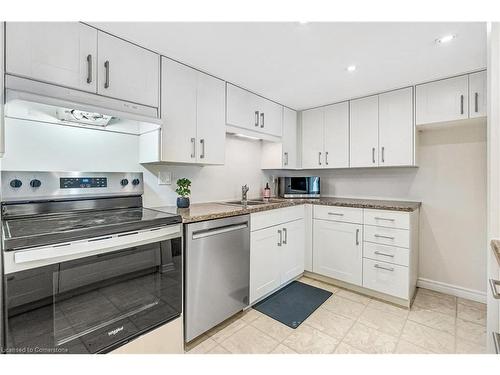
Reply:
x=267, y=191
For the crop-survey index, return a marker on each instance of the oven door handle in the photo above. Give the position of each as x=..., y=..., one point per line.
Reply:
x=54, y=253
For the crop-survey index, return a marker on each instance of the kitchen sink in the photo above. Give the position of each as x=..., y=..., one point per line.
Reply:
x=250, y=202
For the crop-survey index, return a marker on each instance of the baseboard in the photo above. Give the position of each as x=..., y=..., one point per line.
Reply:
x=454, y=290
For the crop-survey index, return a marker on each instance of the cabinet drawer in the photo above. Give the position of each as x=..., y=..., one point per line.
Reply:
x=265, y=219
x=386, y=278
x=390, y=219
x=344, y=214
x=387, y=236
x=385, y=253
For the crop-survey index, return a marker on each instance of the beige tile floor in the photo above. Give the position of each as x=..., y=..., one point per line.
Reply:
x=352, y=323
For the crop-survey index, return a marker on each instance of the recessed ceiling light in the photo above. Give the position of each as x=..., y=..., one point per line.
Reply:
x=446, y=39
x=351, y=68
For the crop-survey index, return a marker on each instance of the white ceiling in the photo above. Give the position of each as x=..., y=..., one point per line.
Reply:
x=304, y=65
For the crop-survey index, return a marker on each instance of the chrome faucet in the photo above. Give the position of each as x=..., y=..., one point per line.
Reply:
x=244, y=191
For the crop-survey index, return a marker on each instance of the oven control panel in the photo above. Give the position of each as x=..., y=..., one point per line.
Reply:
x=19, y=186
x=82, y=182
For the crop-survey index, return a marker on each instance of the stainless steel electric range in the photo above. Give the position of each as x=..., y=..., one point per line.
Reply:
x=86, y=267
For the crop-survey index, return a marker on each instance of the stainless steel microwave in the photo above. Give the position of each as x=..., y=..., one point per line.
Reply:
x=299, y=187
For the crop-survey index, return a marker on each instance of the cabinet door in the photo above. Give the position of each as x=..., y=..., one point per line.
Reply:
x=440, y=101
x=364, y=132
x=396, y=128
x=271, y=117
x=337, y=250
x=289, y=139
x=241, y=108
x=337, y=135
x=178, y=112
x=265, y=268
x=61, y=53
x=312, y=138
x=210, y=124
x=127, y=72
x=477, y=94
x=292, y=250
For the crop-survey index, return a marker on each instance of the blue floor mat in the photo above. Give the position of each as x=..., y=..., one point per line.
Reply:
x=293, y=304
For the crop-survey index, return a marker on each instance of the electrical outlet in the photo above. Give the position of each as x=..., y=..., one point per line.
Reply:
x=165, y=178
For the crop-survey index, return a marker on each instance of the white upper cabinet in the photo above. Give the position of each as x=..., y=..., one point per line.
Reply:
x=178, y=112
x=127, y=72
x=441, y=101
x=336, y=135
x=251, y=112
x=2, y=89
x=210, y=119
x=364, y=132
x=192, y=112
x=396, y=128
x=313, y=138
x=477, y=94
x=289, y=138
x=62, y=53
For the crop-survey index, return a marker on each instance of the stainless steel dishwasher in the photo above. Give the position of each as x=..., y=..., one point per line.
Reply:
x=217, y=277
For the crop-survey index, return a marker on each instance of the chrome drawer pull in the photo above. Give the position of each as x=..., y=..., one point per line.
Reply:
x=357, y=237
x=386, y=237
x=493, y=285
x=256, y=118
x=384, y=268
x=496, y=340
x=335, y=213
x=285, y=236
x=281, y=237
x=384, y=254
x=384, y=218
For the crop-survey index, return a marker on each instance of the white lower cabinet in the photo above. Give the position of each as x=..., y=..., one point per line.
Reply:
x=337, y=250
x=276, y=252
x=376, y=250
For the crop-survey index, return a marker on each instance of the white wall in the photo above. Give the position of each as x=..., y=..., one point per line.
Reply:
x=211, y=183
x=451, y=184
x=49, y=147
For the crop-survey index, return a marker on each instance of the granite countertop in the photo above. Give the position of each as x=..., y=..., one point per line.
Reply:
x=217, y=210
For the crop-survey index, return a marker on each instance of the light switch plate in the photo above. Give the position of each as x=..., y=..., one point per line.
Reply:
x=165, y=178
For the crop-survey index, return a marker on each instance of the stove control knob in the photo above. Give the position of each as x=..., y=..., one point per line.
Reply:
x=136, y=181
x=16, y=183
x=35, y=183
x=124, y=182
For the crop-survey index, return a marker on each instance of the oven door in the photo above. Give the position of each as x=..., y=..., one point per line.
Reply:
x=96, y=303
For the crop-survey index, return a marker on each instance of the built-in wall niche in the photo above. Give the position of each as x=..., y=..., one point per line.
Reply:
x=73, y=116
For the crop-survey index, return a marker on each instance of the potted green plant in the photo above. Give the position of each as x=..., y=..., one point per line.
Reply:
x=183, y=190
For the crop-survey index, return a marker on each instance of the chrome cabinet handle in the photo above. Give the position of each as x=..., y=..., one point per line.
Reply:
x=383, y=154
x=476, y=102
x=326, y=157
x=384, y=254
x=373, y=155
x=380, y=236
x=202, y=143
x=285, y=236
x=496, y=340
x=256, y=118
x=335, y=213
x=461, y=104
x=357, y=237
x=384, y=268
x=280, y=242
x=384, y=218
x=319, y=158
x=493, y=284
x=89, y=68
x=262, y=120
x=193, y=153
x=286, y=158
x=106, y=82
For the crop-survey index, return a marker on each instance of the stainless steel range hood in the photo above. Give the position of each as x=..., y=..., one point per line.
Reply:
x=30, y=100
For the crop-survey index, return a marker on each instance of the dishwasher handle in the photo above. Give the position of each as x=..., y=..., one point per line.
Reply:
x=219, y=230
